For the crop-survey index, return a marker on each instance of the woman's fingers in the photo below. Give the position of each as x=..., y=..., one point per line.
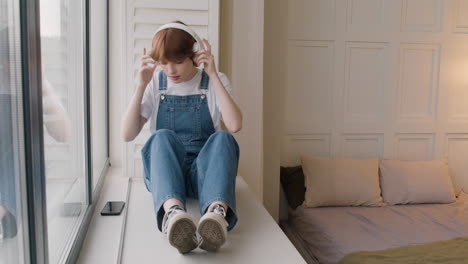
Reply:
x=207, y=44
x=204, y=57
x=200, y=52
x=202, y=61
x=147, y=61
x=144, y=57
x=149, y=67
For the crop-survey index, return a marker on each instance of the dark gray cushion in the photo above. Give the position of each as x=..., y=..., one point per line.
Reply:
x=292, y=180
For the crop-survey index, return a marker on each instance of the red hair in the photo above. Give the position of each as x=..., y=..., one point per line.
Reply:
x=172, y=44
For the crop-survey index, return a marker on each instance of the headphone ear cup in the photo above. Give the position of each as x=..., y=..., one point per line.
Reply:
x=196, y=47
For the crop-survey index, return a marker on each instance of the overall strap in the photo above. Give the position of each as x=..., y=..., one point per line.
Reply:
x=162, y=81
x=205, y=79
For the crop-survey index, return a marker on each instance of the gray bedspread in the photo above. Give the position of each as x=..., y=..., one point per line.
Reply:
x=329, y=233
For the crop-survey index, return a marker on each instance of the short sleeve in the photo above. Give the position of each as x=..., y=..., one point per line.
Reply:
x=147, y=103
x=225, y=81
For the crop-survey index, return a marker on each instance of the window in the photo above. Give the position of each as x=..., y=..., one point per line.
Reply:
x=13, y=239
x=99, y=80
x=54, y=150
x=63, y=106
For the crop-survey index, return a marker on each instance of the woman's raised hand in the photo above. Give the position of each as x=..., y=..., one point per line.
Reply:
x=205, y=56
x=147, y=67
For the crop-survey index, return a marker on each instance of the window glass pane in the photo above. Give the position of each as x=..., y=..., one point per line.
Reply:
x=98, y=49
x=12, y=230
x=62, y=44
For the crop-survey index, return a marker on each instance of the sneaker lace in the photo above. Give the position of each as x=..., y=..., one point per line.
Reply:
x=219, y=209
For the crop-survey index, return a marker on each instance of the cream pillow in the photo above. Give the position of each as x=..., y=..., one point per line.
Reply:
x=341, y=181
x=409, y=182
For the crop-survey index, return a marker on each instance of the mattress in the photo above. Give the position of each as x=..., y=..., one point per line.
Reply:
x=329, y=233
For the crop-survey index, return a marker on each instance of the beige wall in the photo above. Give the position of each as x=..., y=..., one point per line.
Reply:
x=257, y=28
x=274, y=84
x=225, y=37
x=241, y=58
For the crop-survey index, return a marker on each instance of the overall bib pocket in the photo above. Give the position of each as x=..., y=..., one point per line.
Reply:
x=186, y=123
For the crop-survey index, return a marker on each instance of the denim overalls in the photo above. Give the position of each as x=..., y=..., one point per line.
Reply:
x=186, y=157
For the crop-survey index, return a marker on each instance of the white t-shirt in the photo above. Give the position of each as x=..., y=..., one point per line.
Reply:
x=150, y=103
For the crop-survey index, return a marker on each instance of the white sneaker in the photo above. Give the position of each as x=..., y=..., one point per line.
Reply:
x=212, y=228
x=180, y=229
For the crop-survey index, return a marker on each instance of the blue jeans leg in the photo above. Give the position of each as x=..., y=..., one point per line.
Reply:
x=163, y=158
x=217, y=165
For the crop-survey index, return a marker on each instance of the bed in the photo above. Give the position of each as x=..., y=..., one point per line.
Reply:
x=327, y=234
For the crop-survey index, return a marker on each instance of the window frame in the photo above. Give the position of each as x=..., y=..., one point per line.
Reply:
x=93, y=196
x=34, y=163
x=33, y=132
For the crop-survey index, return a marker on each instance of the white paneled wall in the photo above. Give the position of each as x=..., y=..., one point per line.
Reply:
x=142, y=19
x=377, y=78
x=422, y=15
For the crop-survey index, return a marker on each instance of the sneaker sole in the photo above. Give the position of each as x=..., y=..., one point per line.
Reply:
x=211, y=232
x=182, y=234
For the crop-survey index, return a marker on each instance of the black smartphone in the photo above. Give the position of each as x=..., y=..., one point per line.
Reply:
x=113, y=208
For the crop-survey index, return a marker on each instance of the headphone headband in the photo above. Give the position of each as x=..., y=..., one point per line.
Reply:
x=184, y=28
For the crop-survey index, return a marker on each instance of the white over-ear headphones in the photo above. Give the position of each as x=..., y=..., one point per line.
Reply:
x=198, y=42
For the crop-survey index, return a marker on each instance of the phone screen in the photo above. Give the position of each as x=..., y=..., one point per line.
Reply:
x=113, y=208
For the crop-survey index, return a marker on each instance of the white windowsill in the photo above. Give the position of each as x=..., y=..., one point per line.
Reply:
x=103, y=238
